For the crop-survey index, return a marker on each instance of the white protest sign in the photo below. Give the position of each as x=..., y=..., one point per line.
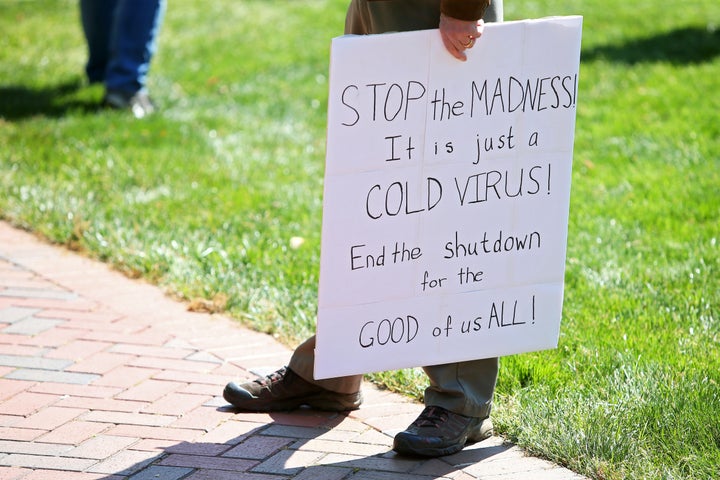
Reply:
x=446, y=200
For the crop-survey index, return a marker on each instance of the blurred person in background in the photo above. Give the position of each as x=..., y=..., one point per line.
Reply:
x=121, y=37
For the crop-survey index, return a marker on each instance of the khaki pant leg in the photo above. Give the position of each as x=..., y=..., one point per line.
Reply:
x=302, y=362
x=464, y=387
x=494, y=12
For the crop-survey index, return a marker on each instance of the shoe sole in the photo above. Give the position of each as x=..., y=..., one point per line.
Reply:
x=317, y=402
x=480, y=433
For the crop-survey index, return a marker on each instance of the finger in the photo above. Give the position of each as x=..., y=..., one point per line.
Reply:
x=454, y=48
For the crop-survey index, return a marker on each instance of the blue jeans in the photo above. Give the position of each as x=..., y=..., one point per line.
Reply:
x=121, y=37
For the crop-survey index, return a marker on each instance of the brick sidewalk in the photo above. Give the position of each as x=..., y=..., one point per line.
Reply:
x=103, y=377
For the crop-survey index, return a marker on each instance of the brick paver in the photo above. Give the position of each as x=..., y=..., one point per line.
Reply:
x=104, y=377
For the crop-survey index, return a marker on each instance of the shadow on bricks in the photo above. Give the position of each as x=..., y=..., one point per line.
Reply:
x=304, y=444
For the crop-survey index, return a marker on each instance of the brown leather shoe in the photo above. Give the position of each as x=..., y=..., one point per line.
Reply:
x=285, y=390
x=437, y=432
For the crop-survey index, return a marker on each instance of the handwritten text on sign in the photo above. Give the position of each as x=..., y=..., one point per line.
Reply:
x=446, y=196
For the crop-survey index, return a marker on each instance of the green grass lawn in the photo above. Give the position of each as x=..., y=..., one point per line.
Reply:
x=204, y=199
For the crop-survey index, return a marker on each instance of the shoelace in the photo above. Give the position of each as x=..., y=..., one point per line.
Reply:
x=432, y=417
x=271, y=378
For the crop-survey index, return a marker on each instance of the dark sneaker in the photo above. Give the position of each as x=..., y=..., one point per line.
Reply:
x=437, y=432
x=138, y=103
x=285, y=390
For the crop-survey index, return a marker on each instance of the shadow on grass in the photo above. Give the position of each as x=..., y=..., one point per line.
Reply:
x=18, y=102
x=689, y=45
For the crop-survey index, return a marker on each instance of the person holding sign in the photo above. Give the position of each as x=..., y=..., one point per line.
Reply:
x=459, y=397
